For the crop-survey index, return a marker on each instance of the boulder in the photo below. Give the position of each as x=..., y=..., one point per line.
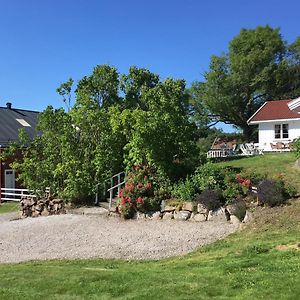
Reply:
x=154, y=215
x=182, y=215
x=45, y=212
x=199, y=218
x=189, y=206
x=234, y=220
x=201, y=209
x=140, y=216
x=217, y=215
x=169, y=208
x=168, y=216
x=237, y=209
x=248, y=217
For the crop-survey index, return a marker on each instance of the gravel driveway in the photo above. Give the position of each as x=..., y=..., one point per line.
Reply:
x=80, y=236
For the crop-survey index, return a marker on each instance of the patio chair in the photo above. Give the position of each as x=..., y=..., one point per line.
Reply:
x=274, y=147
x=280, y=146
x=245, y=150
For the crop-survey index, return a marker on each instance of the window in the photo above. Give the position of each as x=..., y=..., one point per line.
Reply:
x=23, y=122
x=281, y=131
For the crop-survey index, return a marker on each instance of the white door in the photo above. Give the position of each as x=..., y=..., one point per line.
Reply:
x=10, y=179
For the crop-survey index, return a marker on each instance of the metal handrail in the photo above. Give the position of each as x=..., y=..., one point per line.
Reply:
x=111, y=190
x=104, y=183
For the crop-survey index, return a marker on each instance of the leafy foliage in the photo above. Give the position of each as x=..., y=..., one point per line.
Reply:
x=141, y=191
x=210, y=199
x=258, y=66
x=105, y=132
x=270, y=193
x=184, y=190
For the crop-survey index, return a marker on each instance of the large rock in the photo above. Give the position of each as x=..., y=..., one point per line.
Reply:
x=199, y=218
x=201, y=209
x=140, y=216
x=237, y=209
x=234, y=220
x=217, y=215
x=45, y=212
x=168, y=216
x=189, y=206
x=154, y=215
x=182, y=215
x=169, y=208
x=248, y=217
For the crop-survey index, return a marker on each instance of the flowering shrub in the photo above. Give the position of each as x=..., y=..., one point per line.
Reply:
x=270, y=192
x=244, y=182
x=140, y=192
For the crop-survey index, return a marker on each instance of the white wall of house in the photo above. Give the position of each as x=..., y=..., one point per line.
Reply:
x=266, y=133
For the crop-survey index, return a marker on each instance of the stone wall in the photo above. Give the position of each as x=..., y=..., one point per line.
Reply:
x=31, y=206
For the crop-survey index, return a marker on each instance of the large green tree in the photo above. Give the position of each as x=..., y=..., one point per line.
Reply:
x=259, y=66
x=115, y=122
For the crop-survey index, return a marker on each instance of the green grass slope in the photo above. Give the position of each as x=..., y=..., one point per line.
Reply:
x=270, y=164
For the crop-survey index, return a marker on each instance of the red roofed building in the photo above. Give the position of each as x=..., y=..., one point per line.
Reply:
x=278, y=124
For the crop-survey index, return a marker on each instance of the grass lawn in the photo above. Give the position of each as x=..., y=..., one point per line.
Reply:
x=262, y=261
x=9, y=207
x=270, y=164
x=246, y=265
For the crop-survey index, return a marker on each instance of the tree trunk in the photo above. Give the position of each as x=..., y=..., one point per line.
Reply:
x=250, y=133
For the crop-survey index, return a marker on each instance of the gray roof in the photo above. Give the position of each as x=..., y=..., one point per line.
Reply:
x=9, y=124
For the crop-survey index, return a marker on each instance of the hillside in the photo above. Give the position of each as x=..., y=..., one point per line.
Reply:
x=262, y=260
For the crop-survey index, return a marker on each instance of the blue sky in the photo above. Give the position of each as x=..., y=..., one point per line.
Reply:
x=43, y=43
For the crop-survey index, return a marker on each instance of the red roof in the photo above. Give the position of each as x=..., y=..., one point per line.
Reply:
x=274, y=110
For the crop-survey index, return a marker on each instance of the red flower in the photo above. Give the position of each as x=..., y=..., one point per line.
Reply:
x=137, y=167
x=140, y=200
x=140, y=185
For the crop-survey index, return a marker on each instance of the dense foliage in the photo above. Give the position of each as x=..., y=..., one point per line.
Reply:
x=270, y=193
x=116, y=122
x=143, y=191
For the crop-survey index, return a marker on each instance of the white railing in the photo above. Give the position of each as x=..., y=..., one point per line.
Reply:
x=219, y=153
x=111, y=192
x=10, y=194
x=113, y=186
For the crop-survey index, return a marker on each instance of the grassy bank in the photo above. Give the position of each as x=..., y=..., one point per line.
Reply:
x=9, y=207
x=270, y=164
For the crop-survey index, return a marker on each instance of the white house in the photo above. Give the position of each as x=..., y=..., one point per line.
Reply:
x=278, y=124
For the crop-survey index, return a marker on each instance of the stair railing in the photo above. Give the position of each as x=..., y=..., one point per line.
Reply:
x=112, y=186
x=111, y=192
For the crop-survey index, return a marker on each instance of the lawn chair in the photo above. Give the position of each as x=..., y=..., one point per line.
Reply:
x=274, y=147
x=245, y=150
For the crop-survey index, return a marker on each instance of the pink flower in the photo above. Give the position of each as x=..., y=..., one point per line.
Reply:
x=140, y=200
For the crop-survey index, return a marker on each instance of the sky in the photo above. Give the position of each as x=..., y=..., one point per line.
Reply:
x=45, y=42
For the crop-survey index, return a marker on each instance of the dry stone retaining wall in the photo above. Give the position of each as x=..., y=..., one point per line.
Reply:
x=31, y=206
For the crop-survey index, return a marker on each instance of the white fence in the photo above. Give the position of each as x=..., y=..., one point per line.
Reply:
x=9, y=194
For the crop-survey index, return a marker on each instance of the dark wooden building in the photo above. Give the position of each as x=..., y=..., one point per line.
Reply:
x=11, y=121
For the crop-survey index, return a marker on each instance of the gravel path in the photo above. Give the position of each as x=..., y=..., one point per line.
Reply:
x=81, y=236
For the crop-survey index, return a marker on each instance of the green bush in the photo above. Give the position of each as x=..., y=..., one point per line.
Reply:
x=141, y=191
x=270, y=193
x=209, y=176
x=210, y=199
x=296, y=147
x=184, y=190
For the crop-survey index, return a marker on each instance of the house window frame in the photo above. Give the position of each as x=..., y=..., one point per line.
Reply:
x=283, y=134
